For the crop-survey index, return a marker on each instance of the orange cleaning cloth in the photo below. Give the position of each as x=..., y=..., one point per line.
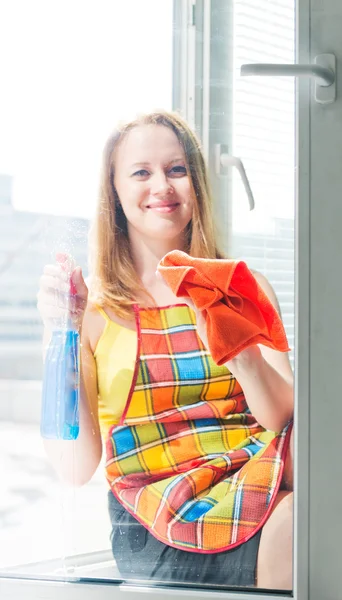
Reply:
x=237, y=311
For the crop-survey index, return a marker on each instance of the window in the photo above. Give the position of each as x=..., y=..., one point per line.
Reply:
x=50, y=146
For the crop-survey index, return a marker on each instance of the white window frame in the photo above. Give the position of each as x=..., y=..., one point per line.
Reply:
x=318, y=372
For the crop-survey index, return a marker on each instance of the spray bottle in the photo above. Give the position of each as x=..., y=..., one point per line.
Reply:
x=61, y=378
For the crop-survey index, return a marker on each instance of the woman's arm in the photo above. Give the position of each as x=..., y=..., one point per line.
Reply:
x=266, y=377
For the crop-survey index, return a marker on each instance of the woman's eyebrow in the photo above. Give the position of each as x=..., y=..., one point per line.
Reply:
x=146, y=163
x=139, y=164
x=175, y=160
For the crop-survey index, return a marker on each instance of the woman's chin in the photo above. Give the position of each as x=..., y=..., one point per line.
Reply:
x=163, y=230
x=166, y=232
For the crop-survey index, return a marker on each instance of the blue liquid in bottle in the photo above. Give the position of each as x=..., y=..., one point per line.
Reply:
x=61, y=380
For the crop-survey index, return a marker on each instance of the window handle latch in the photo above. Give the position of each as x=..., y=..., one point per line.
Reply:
x=323, y=71
x=223, y=160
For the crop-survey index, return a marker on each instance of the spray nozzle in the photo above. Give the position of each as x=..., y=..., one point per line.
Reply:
x=68, y=264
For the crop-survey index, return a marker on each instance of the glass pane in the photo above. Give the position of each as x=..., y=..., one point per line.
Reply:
x=264, y=138
x=136, y=443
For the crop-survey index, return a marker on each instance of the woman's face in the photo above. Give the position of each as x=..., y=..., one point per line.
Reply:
x=152, y=183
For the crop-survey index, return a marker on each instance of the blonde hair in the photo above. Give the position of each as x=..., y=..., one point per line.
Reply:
x=113, y=279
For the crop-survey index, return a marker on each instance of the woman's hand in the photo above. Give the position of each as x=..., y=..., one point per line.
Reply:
x=56, y=304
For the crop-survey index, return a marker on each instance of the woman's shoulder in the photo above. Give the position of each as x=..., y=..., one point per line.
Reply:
x=96, y=318
x=92, y=326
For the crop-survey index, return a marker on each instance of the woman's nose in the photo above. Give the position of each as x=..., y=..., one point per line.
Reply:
x=161, y=185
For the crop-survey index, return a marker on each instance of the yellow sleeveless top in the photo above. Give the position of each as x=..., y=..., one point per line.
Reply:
x=115, y=357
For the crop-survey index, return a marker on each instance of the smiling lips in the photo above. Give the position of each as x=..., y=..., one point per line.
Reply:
x=164, y=207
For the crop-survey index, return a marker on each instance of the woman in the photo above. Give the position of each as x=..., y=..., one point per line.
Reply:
x=154, y=199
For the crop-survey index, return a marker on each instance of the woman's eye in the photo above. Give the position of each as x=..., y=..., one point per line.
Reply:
x=140, y=173
x=178, y=170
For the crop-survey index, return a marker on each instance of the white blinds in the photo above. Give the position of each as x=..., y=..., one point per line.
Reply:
x=263, y=137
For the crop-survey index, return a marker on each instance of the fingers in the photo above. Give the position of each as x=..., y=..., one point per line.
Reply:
x=56, y=271
x=62, y=294
x=52, y=297
x=54, y=282
x=55, y=277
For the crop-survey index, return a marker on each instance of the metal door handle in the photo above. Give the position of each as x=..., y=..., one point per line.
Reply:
x=323, y=71
x=223, y=159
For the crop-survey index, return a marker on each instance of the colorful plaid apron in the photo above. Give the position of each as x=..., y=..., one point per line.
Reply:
x=188, y=460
